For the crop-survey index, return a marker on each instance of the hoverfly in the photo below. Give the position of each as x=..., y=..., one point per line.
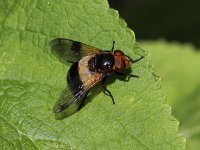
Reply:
x=90, y=67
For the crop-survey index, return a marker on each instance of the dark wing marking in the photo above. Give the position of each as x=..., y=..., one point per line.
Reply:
x=70, y=51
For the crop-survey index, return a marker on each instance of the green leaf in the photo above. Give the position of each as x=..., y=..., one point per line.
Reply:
x=32, y=80
x=178, y=65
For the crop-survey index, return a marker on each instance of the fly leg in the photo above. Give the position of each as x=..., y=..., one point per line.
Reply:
x=106, y=90
x=136, y=60
x=127, y=75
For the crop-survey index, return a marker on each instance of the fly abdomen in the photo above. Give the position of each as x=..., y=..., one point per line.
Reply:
x=73, y=80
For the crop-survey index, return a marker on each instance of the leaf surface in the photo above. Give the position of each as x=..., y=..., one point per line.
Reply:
x=32, y=79
x=178, y=65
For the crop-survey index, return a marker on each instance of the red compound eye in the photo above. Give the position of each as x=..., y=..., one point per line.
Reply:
x=118, y=53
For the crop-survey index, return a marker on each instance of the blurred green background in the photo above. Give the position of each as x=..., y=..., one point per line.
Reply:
x=177, y=20
x=176, y=57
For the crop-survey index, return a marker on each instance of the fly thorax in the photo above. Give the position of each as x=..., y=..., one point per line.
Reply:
x=104, y=62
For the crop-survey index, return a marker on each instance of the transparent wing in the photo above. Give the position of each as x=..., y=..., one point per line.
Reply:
x=66, y=100
x=70, y=51
x=69, y=103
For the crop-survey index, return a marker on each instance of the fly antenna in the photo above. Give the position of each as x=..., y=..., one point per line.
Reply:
x=113, y=46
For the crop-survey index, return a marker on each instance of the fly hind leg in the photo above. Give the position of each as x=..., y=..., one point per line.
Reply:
x=129, y=76
x=106, y=91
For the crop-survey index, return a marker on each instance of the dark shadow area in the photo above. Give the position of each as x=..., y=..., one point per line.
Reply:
x=173, y=20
